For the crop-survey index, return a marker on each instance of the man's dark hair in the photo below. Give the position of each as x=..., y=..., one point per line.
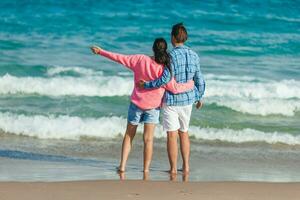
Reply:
x=179, y=32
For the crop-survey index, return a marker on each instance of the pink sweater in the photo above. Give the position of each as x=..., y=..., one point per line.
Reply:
x=145, y=68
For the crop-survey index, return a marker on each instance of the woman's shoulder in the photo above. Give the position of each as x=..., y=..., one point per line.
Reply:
x=145, y=58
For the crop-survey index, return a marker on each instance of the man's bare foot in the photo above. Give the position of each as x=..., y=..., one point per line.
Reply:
x=146, y=176
x=185, y=169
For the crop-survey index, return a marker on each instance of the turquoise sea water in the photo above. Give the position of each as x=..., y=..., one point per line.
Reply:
x=52, y=87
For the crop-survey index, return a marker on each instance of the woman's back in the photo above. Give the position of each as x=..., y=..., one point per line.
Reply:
x=144, y=68
x=147, y=69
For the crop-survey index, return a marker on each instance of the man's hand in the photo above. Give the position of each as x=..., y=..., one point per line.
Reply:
x=199, y=104
x=140, y=84
x=95, y=49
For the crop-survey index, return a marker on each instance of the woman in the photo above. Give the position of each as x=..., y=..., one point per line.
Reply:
x=145, y=104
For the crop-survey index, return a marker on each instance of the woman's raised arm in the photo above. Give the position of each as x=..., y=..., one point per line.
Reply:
x=129, y=61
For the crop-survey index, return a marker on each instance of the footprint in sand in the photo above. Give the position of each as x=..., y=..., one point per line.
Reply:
x=133, y=195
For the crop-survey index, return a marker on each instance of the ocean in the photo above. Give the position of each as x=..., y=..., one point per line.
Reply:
x=63, y=110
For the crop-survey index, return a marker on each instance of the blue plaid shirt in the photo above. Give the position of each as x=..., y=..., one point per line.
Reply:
x=185, y=65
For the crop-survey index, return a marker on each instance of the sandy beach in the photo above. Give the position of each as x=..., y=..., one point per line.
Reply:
x=144, y=190
x=64, y=110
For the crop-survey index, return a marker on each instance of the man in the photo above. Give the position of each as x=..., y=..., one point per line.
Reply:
x=177, y=108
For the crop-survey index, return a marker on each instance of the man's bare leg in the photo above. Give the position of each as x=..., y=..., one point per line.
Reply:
x=146, y=176
x=148, y=145
x=172, y=150
x=185, y=150
x=126, y=145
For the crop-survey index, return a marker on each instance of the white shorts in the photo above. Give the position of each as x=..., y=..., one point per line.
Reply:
x=176, y=117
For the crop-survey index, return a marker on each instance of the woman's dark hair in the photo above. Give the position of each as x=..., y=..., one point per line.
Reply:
x=161, y=55
x=179, y=33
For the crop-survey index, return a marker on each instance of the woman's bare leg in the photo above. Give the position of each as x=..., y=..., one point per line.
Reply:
x=148, y=145
x=126, y=145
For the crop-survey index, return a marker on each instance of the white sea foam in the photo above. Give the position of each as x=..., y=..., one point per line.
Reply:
x=283, y=89
x=244, y=135
x=56, y=70
x=67, y=127
x=244, y=94
x=59, y=127
x=263, y=107
x=250, y=95
x=58, y=86
x=288, y=19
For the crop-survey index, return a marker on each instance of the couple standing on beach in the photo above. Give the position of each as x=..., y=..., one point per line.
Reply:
x=171, y=82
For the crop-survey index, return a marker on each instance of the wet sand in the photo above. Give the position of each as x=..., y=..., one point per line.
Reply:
x=144, y=190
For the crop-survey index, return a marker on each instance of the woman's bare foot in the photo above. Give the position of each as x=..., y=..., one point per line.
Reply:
x=122, y=176
x=173, y=177
x=185, y=177
x=172, y=171
x=120, y=170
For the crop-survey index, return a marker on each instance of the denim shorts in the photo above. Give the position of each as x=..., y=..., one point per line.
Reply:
x=137, y=115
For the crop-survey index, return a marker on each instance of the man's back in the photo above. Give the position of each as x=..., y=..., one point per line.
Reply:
x=185, y=65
